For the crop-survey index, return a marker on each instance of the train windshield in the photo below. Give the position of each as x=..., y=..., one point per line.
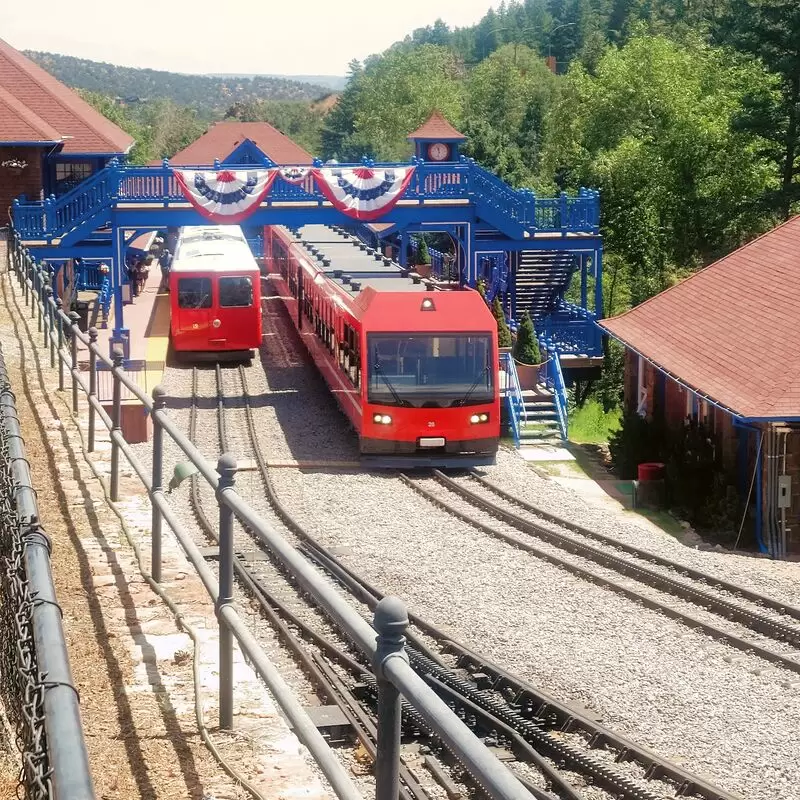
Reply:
x=194, y=293
x=430, y=370
x=235, y=292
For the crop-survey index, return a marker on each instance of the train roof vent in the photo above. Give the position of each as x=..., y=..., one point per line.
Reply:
x=355, y=286
x=347, y=278
x=337, y=273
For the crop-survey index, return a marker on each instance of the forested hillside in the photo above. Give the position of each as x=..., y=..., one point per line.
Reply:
x=207, y=95
x=683, y=114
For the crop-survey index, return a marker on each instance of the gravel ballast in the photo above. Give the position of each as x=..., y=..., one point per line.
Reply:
x=690, y=699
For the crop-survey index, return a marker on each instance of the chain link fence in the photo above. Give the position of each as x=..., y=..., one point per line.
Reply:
x=35, y=681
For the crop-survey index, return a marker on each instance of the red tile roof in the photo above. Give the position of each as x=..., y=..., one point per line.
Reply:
x=732, y=330
x=222, y=138
x=19, y=124
x=436, y=127
x=40, y=104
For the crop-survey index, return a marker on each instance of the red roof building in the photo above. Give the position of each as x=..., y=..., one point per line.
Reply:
x=723, y=348
x=249, y=140
x=50, y=139
x=437, y=128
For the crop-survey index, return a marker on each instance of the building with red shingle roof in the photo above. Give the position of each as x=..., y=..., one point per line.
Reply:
x=235, y=142
x=723, y=348
x=50, y=139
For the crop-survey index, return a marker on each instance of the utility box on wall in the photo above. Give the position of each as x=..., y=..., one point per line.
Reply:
x=784, y=491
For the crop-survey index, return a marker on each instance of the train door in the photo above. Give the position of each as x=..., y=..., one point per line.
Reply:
x=236, y=317
x=193, y=302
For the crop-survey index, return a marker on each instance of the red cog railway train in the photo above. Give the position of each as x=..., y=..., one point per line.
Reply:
x=415, y=370
x=215, y=294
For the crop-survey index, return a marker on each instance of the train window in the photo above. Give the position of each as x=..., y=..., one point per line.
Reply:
x=235, y=292
x=194, y=293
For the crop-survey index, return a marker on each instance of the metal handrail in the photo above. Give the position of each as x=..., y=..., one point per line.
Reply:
x=385, y=648
x=555, y=381
x=67, y=766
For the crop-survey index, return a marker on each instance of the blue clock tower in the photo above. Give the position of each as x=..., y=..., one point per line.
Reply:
x=436, y=139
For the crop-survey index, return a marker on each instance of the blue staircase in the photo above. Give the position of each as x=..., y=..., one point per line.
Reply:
x=541, y=281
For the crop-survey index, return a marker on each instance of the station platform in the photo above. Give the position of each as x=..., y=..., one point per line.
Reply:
x=147, y=319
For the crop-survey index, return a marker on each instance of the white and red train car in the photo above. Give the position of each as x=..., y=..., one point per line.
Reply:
x=215, y=294
x=414, y=370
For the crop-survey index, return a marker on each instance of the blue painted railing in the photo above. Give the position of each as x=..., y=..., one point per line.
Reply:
x=512, y=393
x=462, y=180
x=554, y=380
x=573, y=329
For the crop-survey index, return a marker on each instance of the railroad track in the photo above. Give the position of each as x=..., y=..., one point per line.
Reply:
x=523, y=722
x=754, y=623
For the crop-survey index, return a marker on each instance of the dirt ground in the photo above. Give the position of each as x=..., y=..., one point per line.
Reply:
x=138, y=745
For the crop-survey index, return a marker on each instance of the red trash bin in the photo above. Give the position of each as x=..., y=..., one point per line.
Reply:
x=651, y=471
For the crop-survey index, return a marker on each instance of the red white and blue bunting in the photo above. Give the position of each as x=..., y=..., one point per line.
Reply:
x=294, y=174
x=225, y=196
x=363, y=193
x=230, y=196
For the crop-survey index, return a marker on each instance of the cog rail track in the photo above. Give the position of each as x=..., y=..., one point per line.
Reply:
x=495, y=714
x=286, y=622
x=492, y=683
x=763, y=625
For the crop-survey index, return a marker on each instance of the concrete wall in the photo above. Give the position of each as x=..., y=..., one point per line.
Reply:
x=13, y=184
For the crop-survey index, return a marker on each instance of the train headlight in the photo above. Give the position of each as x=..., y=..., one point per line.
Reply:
x=477, y=419
x=381, y=419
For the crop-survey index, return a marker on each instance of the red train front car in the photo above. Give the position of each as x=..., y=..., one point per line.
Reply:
x=215, y=294
x=415, y=370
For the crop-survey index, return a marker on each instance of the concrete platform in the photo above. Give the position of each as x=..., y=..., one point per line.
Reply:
x=147, y=319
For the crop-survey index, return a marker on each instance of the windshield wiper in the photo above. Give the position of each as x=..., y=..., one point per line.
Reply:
x=463, y=400
x=379, y=369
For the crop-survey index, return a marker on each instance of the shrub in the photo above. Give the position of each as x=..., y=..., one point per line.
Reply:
x=526, y=348
x=636, y=442
x=503, y=332
x=423, y=256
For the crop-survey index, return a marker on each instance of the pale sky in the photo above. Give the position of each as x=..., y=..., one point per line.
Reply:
x=247, y=36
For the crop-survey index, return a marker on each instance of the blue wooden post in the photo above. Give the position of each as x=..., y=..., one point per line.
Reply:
x=598, y=281
x=584, y=280
x=402, y=259
x=117, y=272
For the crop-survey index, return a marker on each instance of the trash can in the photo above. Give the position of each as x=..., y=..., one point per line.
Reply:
x=82, y=309
x=651, y=471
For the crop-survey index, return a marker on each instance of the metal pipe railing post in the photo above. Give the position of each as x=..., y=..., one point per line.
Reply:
x=26, y=273
x=159, y=401
x=92, y=385
x=116, y=420
x=60, y=339
x=41, y=298
x=50, y=338
x=226, y=467
x=73, y=341
x=390, y=622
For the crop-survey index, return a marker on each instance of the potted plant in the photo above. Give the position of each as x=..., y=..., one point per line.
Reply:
x=423, y=265
x=526, y=353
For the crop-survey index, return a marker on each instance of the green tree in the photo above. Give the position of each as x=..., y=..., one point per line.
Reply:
x=770, y=30
x=396, y=94
x=503, y=332
x=655, y=131
x=526, y=347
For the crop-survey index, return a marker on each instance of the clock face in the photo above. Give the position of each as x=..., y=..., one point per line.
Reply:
x=438, y=151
